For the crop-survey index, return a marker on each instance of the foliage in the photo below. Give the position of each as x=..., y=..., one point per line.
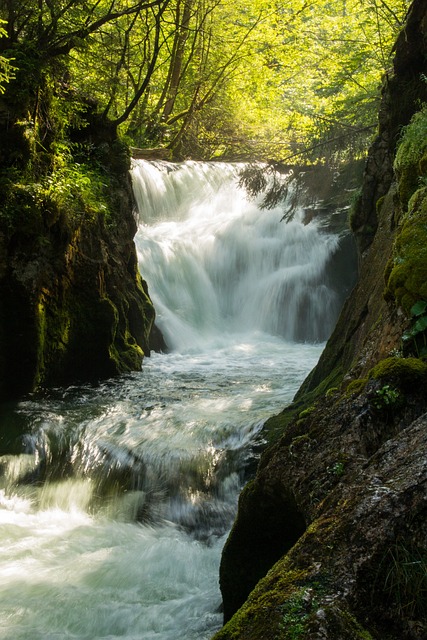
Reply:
x=415, y=338
x=208, y=78
x=402, y=579
x=295, y=615
x=386, y=397
x=75, y=189
x=299, y=608
x=6, y=68
x=337, y=469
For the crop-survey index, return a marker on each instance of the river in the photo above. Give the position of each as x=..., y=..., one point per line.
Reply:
x=114, y=513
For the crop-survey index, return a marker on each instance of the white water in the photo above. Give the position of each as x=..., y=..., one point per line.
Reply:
x=113, y=517
x=231, y=268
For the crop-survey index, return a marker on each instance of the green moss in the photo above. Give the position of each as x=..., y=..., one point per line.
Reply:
x=306, y=412
x=304, y=415
x=277, y=425
x=296, y=614
x=130, y=355
x=410, y=162
x=331, y=392
x=379, y=204
x=423, y=165
x=406, y=276
x=356, y=386
x=268, y=524
x=300, y=441
x=403, y=372
x=53, y=326
x=262, y=615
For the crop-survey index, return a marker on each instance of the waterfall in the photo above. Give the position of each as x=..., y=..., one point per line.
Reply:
x=116, y=499
x=216, y=265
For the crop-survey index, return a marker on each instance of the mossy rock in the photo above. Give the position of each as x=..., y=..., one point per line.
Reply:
x=342, y=624
x=274, y=594
x=410, y=161
x=356, y=386
x=306, y=412
x=267, y=526
x=407, y=275
x=405, y=373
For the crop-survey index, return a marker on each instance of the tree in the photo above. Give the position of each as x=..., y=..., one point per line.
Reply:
x=206, y=78
x=6, y=68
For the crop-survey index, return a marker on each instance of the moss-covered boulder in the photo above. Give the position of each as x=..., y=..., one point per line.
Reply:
x=405, y=373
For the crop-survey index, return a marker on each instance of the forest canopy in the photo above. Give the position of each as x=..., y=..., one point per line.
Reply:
x=202, y=78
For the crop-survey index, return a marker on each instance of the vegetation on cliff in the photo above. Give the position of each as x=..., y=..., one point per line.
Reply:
x=350, y=458
x=73, y=304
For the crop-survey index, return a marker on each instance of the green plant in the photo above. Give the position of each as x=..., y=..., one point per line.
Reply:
x=402, y=578
x=385, y=398
x=296, y=612
x=415, y=337
x=6, y=68
x=337, y=469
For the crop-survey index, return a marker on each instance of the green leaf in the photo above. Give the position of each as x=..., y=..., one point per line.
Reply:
x=420, y=325
x=419, y=308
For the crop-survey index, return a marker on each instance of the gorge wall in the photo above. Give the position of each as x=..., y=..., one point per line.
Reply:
x=330, y=538
x=73, y=306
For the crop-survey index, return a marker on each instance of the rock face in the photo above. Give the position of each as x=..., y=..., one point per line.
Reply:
x=73, y=306
x=331, y=536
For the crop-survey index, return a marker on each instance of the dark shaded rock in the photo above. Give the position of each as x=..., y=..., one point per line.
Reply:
x=360, y=483
x=73, y=306
x=269, y=520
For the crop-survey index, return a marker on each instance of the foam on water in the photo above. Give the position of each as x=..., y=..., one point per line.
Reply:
x=113, y=517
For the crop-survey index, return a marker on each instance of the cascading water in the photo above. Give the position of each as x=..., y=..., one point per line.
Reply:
x=115, y=500
x=230, y=268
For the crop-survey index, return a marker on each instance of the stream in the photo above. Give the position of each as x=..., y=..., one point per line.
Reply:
x=114, y=512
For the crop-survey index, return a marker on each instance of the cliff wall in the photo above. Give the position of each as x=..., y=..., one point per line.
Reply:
x=73, y=306
x=330, y=538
